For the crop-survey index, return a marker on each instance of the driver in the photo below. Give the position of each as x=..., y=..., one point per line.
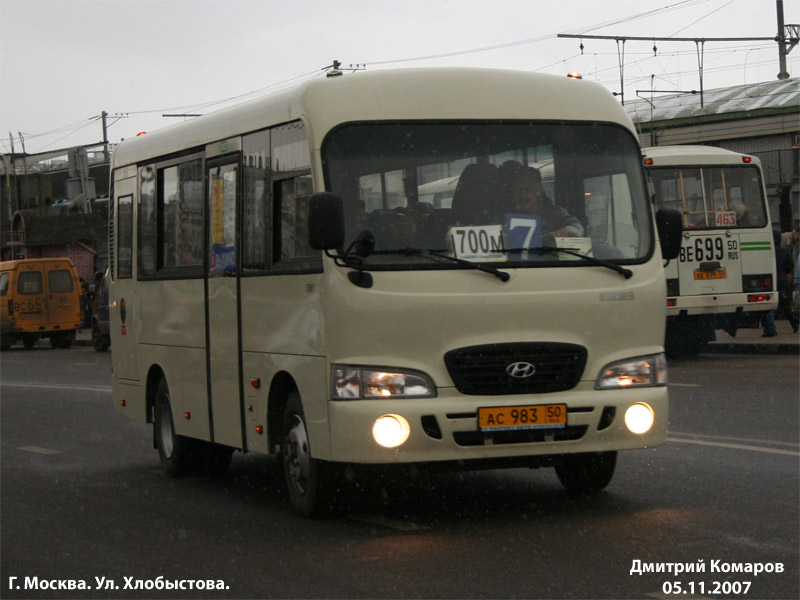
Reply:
x=528, y=197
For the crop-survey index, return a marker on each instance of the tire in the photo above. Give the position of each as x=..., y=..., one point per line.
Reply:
x=29, y=340
x=62, y=340
x=309, y=481
x=588, y=472
x=179, y=455
x=99, y=341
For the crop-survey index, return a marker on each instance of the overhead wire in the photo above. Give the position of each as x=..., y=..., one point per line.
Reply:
x=681, y=5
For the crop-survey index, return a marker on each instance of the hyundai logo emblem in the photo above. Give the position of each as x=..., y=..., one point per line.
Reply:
x=521, y=370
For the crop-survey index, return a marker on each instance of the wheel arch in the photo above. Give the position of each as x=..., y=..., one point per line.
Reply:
x=282, y=385
x=154, y=375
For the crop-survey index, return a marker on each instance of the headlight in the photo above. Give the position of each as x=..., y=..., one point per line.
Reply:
x=634, y=372
x=356, y=382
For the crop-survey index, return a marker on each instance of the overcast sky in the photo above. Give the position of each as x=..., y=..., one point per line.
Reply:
x=63, y=62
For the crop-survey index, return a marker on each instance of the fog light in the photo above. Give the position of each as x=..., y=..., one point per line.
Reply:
x=391, y=431
x=639, y=418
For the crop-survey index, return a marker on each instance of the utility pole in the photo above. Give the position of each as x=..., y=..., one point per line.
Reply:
x=24, y=169
x=14, y=169
x=788, y=37
x=103, y=115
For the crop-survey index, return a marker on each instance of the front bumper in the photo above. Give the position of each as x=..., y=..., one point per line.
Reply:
x=445, y=428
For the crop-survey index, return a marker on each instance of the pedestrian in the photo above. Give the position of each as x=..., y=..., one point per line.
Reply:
x=785, y=276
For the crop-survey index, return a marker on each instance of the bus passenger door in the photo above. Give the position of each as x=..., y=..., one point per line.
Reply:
x=124, y=312
x=222, y=304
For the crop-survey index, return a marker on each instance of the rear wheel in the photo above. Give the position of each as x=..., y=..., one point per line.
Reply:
x=309, y=481
x=179, y=455
x=29, y=340
x=588, y=472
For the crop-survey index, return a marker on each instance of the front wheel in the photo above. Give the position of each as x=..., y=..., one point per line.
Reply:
x=308, y=480
x=588, y=472
x=99, y=341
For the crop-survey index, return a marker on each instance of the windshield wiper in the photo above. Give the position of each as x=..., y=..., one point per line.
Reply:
x=627, y=273
x=501, y=275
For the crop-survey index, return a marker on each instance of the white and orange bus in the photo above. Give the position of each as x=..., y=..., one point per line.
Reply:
x=279, y=283
x=725, y=274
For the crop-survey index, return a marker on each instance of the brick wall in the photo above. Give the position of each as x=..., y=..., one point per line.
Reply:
x=83, y=259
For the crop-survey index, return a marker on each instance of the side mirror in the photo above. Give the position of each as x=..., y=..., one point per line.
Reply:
x=325, y=221
x=670, y=231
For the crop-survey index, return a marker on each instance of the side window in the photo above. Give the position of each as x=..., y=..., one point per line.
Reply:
x=3, y=284
x=255, y=202
x=125, y=237
x=291, y=216
x=30, y=282
x=291, y=189
x=180, y=217
x=147, y=247
x=60, y=281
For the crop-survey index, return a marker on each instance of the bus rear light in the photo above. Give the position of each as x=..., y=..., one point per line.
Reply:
x=759, y=298
x=255, y=382
x=648, y=161
x=672, y=302
x=259, y=429
x=747, y=159
x=757, y=283
x=187, y=415
x=123, y=403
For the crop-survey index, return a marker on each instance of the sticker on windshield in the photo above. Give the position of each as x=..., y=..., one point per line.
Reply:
x=582, y=245
x=480, y=243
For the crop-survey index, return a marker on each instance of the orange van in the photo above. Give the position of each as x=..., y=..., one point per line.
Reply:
x=39, y=297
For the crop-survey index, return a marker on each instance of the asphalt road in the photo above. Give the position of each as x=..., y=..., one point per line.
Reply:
x=83, y=502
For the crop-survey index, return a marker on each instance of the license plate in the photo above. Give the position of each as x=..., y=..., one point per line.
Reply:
x=512, y=418
x=715, y=274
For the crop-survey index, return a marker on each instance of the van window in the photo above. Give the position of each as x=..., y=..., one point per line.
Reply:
x=3, y=284
x=60, y=281
x=30, y=282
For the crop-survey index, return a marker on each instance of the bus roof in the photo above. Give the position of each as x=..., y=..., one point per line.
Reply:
x=403, y=94
x=695, y=155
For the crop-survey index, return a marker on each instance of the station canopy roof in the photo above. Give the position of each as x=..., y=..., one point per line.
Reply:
x=723, y=104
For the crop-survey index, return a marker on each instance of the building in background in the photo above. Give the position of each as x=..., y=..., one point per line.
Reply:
x=55, y=204
x=760, y=119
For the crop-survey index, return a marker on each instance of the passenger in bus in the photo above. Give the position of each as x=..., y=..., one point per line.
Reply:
x=742, y=213
x=526, y=194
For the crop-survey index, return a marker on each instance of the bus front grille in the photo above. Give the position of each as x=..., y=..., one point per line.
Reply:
x=487, y=370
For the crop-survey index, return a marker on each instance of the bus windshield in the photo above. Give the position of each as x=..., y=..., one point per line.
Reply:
x=714, y=197
x=490, y=191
